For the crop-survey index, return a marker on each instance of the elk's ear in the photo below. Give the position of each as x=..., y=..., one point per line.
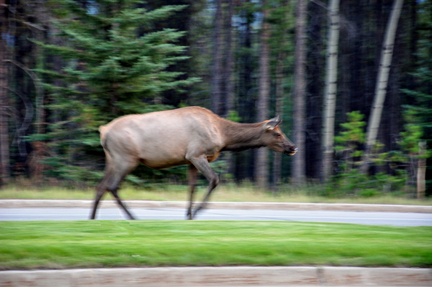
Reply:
x=271, y=124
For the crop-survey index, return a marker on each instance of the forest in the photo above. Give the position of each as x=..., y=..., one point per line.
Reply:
x=352, y=81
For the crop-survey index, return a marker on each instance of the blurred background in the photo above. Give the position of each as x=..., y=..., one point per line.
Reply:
x=351, y=79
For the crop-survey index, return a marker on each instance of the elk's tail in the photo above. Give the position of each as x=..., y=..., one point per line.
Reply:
x=103, y=130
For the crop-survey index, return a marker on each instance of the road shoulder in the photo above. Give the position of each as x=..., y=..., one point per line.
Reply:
x=28, y=203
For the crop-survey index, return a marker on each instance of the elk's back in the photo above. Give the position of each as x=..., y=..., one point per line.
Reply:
x=163, y=139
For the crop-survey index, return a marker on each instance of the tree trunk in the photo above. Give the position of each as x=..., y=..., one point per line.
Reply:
x=4, y=127
x=346, y=59
x=277, y=156
x=280, y=65
x=229, y=97
x=216, y=98
x=314, y=88
x=421, y=171
x=299, y=167
x=330, y=90
x=246, y=103
x=261, y=168
x=382, y=80
x=228, y=68
x=43, y=18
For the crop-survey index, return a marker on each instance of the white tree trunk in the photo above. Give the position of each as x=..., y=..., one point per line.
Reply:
x=330, y=89
x=382, y=80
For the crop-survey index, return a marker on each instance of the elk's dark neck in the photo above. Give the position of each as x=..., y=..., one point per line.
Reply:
x=240, y=137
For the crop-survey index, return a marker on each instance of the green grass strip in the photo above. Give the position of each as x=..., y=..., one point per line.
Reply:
x=76, y=244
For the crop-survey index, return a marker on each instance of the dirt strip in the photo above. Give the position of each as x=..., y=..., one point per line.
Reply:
x=18, y=203
x=219, y=276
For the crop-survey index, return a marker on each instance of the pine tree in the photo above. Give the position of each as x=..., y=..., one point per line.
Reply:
x=115, y=63
x=420, y=98
x=281, y=47
x=261, y=167
x=299, y=164
x=4, y=130
x=420, y=133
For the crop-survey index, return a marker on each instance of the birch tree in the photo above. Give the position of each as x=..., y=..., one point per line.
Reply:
x=382, y=81
x=330, y=89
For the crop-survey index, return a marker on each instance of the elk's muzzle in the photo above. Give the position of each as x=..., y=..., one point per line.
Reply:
x=291, y=150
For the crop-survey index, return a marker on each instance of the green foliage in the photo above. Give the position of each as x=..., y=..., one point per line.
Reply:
x=350, y=180
x=352, y=133
x=349, y=139
x=115, y=62
x=282, y=20
x=233, y=116
x=419, y=94
x=412, y=144
x=413, y=133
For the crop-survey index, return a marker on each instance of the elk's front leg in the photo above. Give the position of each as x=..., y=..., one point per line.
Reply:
x=203, y=166
x=192, y=178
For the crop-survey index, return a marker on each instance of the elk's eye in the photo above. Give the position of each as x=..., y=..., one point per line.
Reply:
x=278, y=135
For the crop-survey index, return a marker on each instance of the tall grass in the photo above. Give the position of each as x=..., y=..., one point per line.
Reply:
x=243, y=192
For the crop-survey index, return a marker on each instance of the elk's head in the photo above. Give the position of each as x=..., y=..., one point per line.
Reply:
x=275, y=139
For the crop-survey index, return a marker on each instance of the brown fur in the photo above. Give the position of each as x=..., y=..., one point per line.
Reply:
x=192, y=135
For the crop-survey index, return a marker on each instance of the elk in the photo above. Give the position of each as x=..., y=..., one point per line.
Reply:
x=192, y=136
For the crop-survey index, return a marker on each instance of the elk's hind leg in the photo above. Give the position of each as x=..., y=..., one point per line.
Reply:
x=115, y=172
x=102, y=186
x=121, y=204
x=100, y=191
x=121, y=169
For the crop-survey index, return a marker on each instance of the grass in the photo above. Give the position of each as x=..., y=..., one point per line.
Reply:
x=227, y=192
x=85, y=244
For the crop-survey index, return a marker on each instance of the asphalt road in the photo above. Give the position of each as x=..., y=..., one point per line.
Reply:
x=369, y=218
